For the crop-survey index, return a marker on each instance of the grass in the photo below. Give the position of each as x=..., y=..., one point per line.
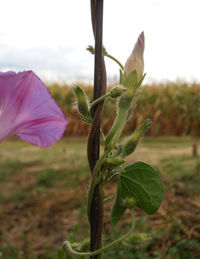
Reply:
x=43, y=199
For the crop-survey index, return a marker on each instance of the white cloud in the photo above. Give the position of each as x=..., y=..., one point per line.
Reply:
x=51, y=36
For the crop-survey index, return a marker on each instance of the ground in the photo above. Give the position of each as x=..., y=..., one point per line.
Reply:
x=43, y=199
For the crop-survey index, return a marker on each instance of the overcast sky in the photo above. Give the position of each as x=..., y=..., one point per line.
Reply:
x=50, y=37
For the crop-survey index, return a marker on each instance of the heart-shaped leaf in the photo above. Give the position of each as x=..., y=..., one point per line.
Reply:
x=141, y=182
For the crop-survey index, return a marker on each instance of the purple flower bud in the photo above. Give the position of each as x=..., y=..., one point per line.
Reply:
x=28, y=110
x=135, y=60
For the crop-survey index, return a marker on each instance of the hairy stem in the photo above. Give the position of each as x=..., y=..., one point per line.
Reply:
x=100, y=99
x=94, y=178
x=117, y=127
x=116, y=60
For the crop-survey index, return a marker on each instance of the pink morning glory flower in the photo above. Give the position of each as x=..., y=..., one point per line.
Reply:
x=28, y=110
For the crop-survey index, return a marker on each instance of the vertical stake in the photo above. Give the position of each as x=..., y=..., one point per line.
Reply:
x=96, y=224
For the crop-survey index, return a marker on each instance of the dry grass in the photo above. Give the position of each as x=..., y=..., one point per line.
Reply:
x=173, y=108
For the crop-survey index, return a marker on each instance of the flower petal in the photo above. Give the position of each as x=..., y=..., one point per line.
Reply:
x=28, y=110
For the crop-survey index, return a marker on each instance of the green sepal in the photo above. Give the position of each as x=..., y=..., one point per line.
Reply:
x=82, y=104
x=141, y=80
x=131, y=144
x=113, y=162
x=131, y=81
x=141, y=182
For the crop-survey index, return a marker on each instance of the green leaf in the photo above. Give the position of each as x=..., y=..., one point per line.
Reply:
x=60, y=254
x=118, y=207
x=145, y=185
x=141, y=182
x=140, y=81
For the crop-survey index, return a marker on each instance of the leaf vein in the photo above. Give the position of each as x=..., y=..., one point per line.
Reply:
x=137, y=183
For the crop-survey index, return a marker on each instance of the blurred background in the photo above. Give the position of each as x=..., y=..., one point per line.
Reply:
x=43, y=191
x=50, y=37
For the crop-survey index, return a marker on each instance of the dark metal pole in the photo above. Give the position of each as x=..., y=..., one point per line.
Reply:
x=96, y=224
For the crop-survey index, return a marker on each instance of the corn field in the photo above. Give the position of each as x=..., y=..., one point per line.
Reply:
x=174, y=109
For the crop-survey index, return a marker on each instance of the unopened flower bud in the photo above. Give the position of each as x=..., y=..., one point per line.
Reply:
x=135, y=60
x=129, y=202
x=117, y=91
x=132, y=142
x=113, y=162
x=82, y=104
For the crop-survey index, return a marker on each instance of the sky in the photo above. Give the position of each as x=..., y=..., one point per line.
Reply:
x=50, y=37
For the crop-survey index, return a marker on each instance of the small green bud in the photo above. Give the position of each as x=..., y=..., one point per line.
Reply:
x=138, y=238
x=82, y=104
x=90, y=48
x=129, y=202
x=132, y=141
x=113, y=162
x=117, y=91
